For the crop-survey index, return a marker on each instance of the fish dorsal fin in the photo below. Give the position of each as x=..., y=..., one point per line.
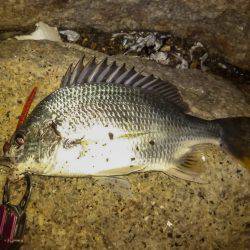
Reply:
x=102, y=72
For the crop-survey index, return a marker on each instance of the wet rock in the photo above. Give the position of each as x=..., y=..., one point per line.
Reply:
x=159, y=212
x=222, y=26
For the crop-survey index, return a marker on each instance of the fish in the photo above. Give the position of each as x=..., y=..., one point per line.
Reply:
x=106, y=119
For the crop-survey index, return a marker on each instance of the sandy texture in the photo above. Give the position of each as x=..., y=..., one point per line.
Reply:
x=153, y=211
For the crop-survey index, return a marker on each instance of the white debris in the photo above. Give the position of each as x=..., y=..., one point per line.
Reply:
x=166, y=48
x=138, y=42
x=183, y=64
x=72, y=36
x=119, y=34
x=223, y=66
x=43, y=32
x=169, y=224
x=161, y=57
x=203, y=59
x=194, y=47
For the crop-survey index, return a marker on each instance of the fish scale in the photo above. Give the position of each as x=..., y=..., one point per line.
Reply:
x=85, y=108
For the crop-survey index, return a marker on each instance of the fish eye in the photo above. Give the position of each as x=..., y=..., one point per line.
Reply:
x=19, y=139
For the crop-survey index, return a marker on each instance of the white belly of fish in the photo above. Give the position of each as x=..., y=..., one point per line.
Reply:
x=97, y=155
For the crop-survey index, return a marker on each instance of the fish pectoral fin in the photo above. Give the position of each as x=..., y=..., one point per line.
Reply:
x=190, y=165
x=121, y=171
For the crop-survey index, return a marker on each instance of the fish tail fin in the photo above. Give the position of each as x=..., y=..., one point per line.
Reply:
x=236, y=138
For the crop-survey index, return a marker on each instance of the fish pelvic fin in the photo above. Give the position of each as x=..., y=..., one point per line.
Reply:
x=190, y=165
x=236, y=138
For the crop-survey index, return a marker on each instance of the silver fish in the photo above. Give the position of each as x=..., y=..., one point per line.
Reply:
x=107, y=120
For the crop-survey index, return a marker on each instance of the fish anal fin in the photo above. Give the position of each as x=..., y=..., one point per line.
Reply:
x=117, y=184
x=191, y=164
x=193, y=160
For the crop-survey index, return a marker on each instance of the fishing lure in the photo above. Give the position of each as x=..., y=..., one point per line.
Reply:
x=13, y=218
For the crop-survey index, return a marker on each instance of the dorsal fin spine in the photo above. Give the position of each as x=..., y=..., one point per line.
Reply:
x=125, y=75
x=116, y=73
x=86, y=71
x=96, y=71
x=76, y=71
x=148, y=84
x=66, y=77
x=133, y=78
x=106, y=72
x=143, y=81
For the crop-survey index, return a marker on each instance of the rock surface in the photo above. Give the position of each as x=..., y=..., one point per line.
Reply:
x=156, y=211
x=223, y=26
